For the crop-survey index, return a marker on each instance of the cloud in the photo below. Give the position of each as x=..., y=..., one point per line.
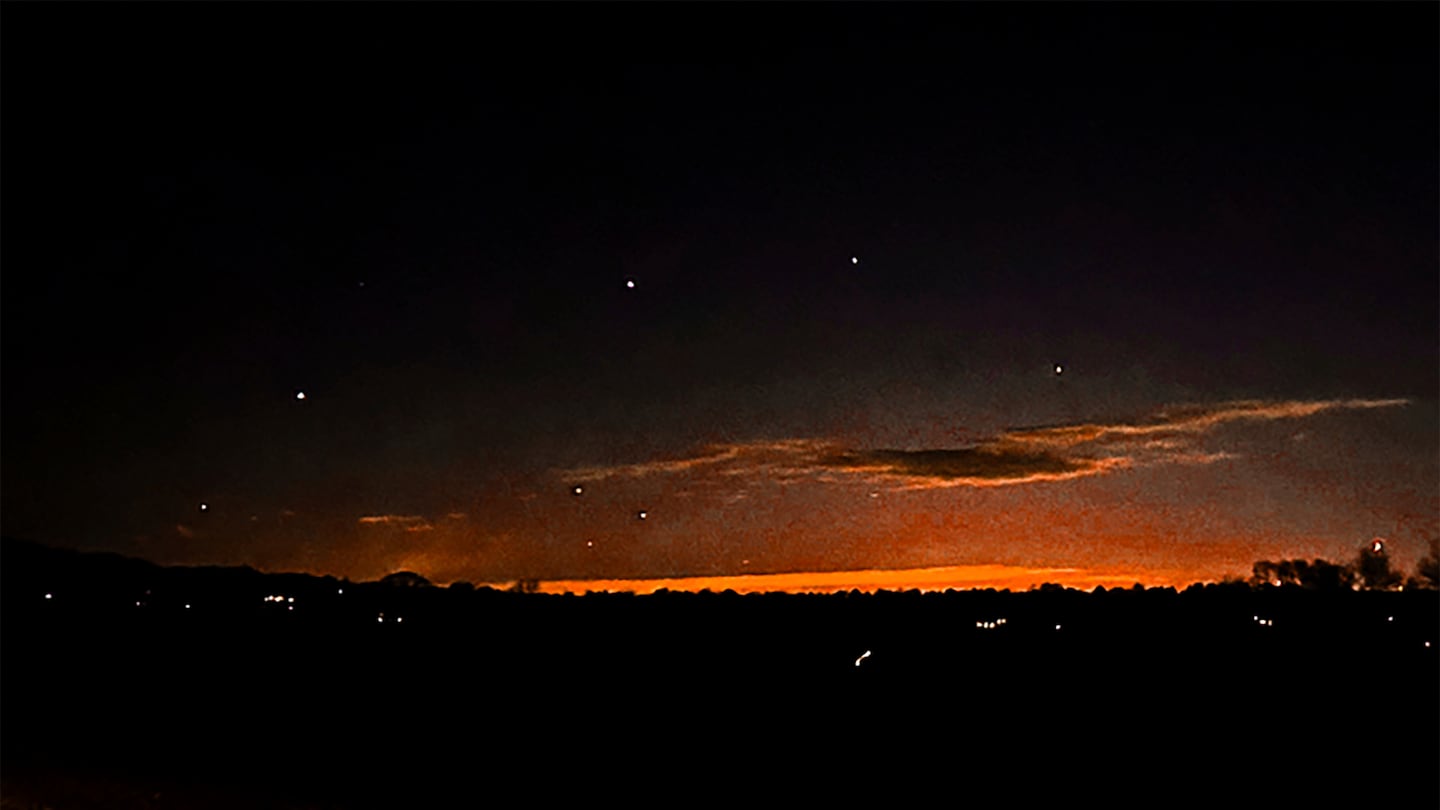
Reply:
x=410, y=523
x=1171, y=435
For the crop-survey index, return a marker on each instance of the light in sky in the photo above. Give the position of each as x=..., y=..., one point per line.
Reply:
x=187, y=606
x=642, y=514
x=854, y=259
x=589, y=543
x=1377, y=545
x=630, y=283
x=862, y=657
x=204, y=506
x=300, y=395
x=48, y=596
x=577, y=490
x=1059, y=369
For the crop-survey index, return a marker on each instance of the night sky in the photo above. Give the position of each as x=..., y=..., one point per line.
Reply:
x=1010, y=293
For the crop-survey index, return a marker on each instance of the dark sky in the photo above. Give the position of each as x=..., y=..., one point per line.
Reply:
x=1219, y=221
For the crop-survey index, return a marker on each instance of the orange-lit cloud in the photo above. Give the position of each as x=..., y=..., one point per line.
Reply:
x=410, y=523
x=1017, y=456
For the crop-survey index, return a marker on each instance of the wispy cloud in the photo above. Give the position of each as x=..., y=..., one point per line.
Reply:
x=410, y=523
x=1018, y=456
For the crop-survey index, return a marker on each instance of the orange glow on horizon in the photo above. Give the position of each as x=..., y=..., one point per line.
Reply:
x=956, y=577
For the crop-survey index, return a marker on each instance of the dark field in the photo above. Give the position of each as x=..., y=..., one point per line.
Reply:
x=484, y=696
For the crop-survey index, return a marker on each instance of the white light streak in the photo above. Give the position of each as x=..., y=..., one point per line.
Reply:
x=862, y=657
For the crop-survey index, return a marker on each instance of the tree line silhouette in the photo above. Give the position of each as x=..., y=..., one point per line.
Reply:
x=1372, y=569
x=358, y=690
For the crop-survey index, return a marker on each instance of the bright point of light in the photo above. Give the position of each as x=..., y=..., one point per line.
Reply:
x=399, y=619
x=291, y=599
x=854, y=259
x=137, y=604
x=642, y=514
x=187, y=606
x=1427, y=644
x=380, y=618
x=862, y=657
x=630, y=283
x=300, y=395
x=589, y=543
x=1389, y=618
x=1059, y=368
x=1377, y=546
x=1057, y=627
x=744, y=562
x=578, y=490
x=341, y=590
x=204, y=506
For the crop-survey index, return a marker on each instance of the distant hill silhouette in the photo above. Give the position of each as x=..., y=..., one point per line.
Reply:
x=324, y=692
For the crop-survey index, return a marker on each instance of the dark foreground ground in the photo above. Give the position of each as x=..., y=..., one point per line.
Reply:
x=482, y=697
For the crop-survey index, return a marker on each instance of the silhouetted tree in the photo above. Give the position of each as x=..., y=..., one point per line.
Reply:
x=405, y=579
x=1324, y=575
x=1427, y=571
x=1373, y=571
x=461, y=586
x=526, y=586
x=1318, y=575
